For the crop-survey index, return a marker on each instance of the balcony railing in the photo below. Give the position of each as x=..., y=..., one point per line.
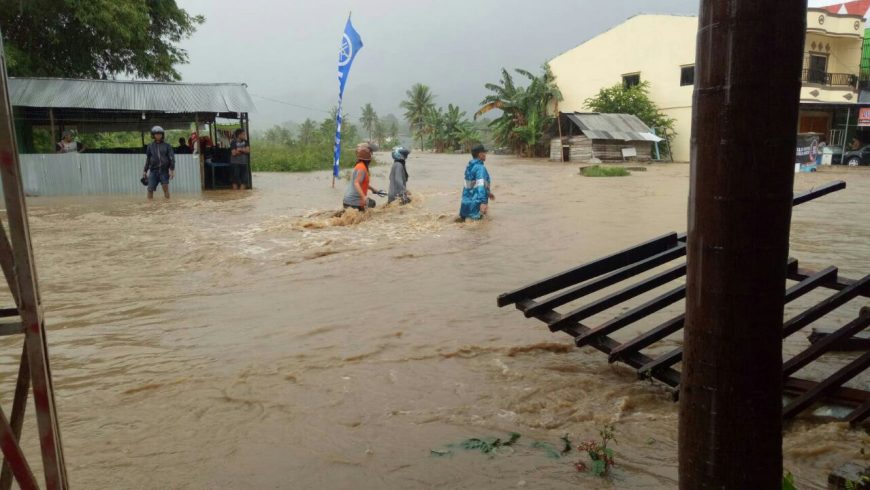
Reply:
x=830, y=79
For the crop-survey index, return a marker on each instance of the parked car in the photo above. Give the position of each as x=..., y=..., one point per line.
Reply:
x=836, y=154
x=853, y=158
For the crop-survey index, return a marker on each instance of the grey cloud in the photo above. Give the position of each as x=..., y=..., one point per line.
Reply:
x=288, y=50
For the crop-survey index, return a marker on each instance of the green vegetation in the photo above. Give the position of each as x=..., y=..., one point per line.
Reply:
x=279, y=150
x=384, y=131
x=526, y=117
x=600, y=456
x=633, y=100
x=598, y=171
x=487, y=446
x=86, y=39
x=419, y=102
x=370, y=121
x=444, y=129
x=118, y=140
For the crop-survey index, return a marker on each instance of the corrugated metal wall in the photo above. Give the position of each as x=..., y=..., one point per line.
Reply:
x=92, y=173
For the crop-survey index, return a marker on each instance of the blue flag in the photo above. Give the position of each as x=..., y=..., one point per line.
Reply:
x=351, y=43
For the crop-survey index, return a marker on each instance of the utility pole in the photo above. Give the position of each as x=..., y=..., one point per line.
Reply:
x=749, y=61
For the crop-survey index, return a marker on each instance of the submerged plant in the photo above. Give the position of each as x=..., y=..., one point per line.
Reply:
x=487, y=446
x=600, y=456
x=788, y=481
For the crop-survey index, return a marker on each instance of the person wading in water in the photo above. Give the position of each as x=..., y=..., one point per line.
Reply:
x=356, y=196
x=476, y=194
x=399, y=177
x=159, y=163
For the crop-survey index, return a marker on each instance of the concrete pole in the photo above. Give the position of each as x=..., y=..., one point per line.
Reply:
x=749, y=60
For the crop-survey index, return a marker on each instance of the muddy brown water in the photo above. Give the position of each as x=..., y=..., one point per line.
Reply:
x=250, y=340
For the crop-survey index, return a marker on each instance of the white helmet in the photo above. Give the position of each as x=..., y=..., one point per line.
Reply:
x=157, y=129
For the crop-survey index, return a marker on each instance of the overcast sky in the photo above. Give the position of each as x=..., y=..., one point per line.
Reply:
x=288, y=49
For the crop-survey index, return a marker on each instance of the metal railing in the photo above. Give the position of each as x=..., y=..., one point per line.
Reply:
x=829, y=79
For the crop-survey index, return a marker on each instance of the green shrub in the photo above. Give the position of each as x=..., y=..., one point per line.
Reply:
x=598, y=171
x=274, y=157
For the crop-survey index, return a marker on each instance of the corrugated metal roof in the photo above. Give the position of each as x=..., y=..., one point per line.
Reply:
x=130, y=95
x=625, y=127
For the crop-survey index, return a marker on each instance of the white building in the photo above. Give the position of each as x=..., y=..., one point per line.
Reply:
x=660, y=49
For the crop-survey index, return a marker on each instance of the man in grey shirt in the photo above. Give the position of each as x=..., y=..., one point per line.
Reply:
x=399, y=176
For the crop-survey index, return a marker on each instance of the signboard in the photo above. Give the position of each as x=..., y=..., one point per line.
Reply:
x=807, y=151
x=864, y=117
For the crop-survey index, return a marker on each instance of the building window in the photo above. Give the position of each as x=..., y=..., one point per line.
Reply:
x=817, y=68
x=687, y=75
x=632, y=80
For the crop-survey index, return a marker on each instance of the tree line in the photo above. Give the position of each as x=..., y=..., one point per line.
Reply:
x=441, y=129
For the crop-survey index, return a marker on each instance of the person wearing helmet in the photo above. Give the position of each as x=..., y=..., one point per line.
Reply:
x=476, y=194
x=399, y=177
x=159, y=163
x=356, y=196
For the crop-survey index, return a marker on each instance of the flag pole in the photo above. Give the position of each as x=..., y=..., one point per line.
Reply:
x=339, y=108
x=342, y=76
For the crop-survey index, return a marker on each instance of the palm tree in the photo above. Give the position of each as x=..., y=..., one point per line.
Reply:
x=380, y=133
x=307, y=131
x=394, y=132
x=453, y=119
x=418, y=103
x=369, y=120
x=434, y=128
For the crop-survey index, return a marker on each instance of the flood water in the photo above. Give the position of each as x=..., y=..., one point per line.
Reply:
x=251, y=340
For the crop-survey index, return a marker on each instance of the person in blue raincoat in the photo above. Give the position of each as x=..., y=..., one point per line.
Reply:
x=476, y=194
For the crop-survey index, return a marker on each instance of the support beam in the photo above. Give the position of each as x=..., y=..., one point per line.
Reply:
x=649, y=338
x=791, y=294
x=859, y=414
x=633, y=315
x=592, y=269
x=740, y=201
x=618, y=297
x=29, y=307
x=824, y=307
x=602, y=282
x=19, y=405
x=15, y=457
x=833, y=382
x=818, y=349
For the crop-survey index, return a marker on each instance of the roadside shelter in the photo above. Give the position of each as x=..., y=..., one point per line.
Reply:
x=108, y=106
x=607, y=137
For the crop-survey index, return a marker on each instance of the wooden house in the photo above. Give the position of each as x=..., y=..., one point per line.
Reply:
x=607, y=137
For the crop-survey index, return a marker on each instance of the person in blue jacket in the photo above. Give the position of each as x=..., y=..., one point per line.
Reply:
x=476, y=194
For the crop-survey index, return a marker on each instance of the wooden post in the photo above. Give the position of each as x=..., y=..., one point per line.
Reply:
x=51, y=123
x=199, y=153
x=561, y=143
x=30, y=311
x=743, y=144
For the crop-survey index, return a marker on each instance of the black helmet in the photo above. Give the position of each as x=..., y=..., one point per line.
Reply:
x=477, y=150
